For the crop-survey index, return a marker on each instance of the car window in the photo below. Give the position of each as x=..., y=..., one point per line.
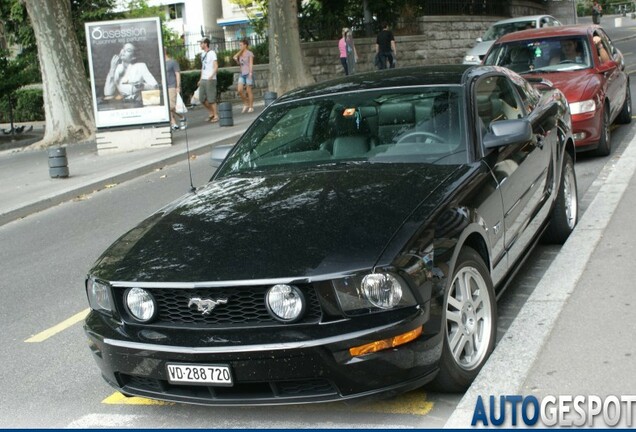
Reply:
x=424, y=125
x=496, y=100
x=546, y=55
x=498, y=30
x=530, y=96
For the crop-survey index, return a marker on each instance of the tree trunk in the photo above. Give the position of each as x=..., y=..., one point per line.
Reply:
x=287, y=69
x=67, y=96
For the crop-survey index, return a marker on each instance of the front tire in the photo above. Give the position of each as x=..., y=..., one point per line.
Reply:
x=565, y=213
x=625, y=116
x=469, y=323
x=604, y=142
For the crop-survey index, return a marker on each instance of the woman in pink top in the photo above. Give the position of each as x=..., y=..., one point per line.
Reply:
x=348, y=54
x=342, y=47
x=245, y=58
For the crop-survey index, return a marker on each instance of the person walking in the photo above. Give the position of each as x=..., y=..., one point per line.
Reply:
x=207, y=82
x=245, y=58
x=173, y=80
x=352, y=54
x=385, y=48
x=597, y=12
x=342, y=48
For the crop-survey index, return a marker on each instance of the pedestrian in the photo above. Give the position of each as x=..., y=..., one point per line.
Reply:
x=342, y=48
x=245, y=58
x=385, y=48
x=597, y=12
x=352, y=54
x=348, y=53
x=173, y=80
x=207, y=82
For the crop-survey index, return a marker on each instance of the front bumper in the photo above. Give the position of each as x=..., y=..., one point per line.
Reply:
x=319, y=369
x=586, y=129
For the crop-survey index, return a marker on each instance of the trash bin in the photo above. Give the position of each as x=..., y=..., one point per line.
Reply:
x=225, y=114
x=58, y=163
x=269, y=97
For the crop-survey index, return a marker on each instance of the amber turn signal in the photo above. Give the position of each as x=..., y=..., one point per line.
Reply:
x=386, y=343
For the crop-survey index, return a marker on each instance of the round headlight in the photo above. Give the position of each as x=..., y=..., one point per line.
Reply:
x=98, y=296
x=285, y=302
x=140, y=304
x=382, y=290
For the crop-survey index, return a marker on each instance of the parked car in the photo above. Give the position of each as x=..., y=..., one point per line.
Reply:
x=352, y=243
x=592, y=76
x=476, y=54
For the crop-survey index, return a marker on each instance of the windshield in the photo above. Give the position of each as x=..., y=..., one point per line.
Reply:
x=397, y=126
x=542, y=55
x=496, y=31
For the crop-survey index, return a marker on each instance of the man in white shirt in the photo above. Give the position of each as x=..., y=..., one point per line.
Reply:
x=207, y=83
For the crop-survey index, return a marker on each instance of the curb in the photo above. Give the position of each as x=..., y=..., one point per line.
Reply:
x=510, y=364
x=120, y=176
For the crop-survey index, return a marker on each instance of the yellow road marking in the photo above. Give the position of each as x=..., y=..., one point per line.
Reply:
x=119, y=399
x=42, y=336
x=413, y=403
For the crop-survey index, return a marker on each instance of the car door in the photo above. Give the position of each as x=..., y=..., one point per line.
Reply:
x=613, y=73
x=522, y=170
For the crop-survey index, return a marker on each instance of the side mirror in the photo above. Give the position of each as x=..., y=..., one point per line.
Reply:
x=506, y=132
x=606, y=67
x=219, y=153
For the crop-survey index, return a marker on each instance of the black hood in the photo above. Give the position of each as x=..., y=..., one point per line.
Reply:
x=318, y=222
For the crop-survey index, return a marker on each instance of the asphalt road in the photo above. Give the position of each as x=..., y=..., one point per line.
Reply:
x=52, y=382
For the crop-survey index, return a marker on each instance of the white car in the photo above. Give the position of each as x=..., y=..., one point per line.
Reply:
x=476, y=54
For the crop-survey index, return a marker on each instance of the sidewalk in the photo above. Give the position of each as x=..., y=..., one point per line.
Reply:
x=26, y=186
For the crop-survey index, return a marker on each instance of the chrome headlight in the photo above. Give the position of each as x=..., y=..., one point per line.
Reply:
x=373, y=292
x=382, y=290
x=285, y=302
x=98, y=295
x=583, y=107
x=140, y=304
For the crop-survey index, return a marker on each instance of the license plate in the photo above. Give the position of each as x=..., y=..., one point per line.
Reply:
x=199, y=374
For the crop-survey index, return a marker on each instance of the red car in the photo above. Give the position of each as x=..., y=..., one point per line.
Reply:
x=582, y=62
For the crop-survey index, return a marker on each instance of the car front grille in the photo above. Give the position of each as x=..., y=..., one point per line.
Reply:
x=253, y=392
x=245, y=307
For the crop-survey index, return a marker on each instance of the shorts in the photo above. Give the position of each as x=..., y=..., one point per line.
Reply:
x=207, y=91
x=172, y=98
x=246, y=80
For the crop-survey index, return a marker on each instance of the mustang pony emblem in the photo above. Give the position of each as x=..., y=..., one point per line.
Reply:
x=205, y=305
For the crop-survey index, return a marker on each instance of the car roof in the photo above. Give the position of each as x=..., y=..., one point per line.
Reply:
x=390, y=78
x=523, y=18
x=568, y=30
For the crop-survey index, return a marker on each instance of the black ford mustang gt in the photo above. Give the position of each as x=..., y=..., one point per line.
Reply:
x=353, y=242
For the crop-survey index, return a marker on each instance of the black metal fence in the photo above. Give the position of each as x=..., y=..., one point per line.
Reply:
x=467, y=7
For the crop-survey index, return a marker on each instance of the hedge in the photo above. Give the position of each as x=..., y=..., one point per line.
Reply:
x=28, y=105
x=190, y=82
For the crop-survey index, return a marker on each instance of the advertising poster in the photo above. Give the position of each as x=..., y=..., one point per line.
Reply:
x=127, y=70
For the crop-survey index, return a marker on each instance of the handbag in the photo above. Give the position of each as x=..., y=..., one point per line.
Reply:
x=180, y=107
x=194, y=100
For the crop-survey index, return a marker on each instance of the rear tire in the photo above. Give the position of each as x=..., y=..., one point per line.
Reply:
x=469, y=323
x=565, y=213
x=625, y=116
x=604, y=143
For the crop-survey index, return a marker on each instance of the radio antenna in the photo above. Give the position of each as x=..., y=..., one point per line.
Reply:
x=184, y=124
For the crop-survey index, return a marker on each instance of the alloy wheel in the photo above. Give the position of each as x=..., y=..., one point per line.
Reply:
x=469, y=318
